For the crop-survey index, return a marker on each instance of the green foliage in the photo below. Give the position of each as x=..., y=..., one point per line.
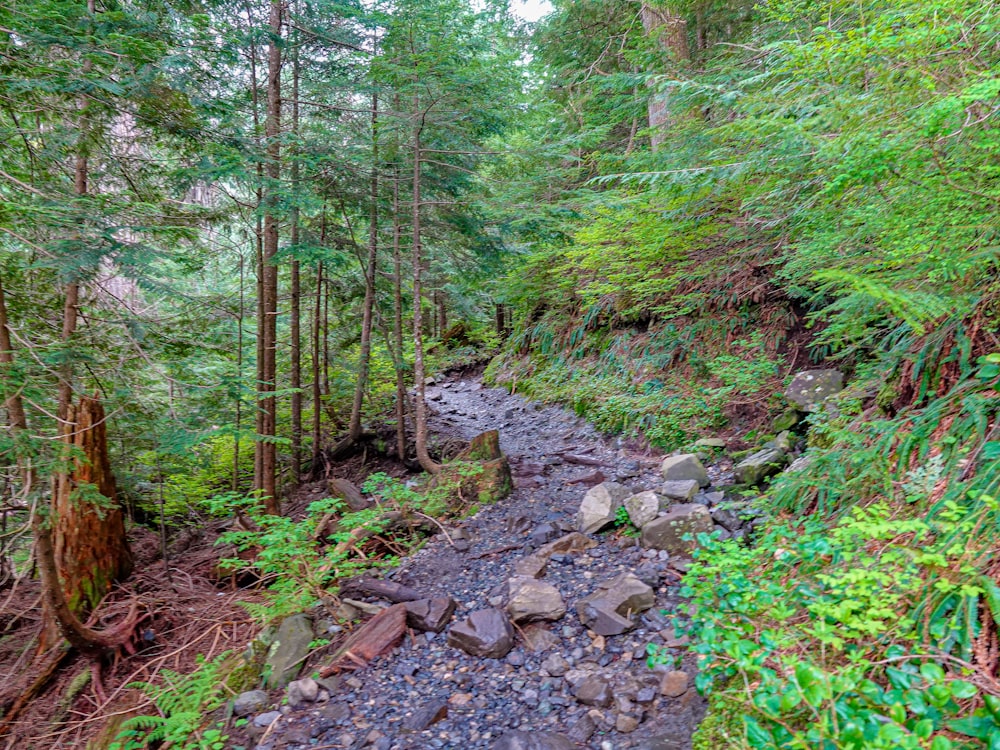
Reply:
x=858, y=627
x=618, y=386
x=299, y=569
x=182, y=700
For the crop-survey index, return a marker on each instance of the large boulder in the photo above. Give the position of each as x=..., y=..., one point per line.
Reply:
x=600, y=506
x=810, y=388
x=687, y=466
x=758, y=466
x=531, y=599
x=611, y=609
x=289, y=650
x=667, y=532
x=486, y=632
x=642, y=508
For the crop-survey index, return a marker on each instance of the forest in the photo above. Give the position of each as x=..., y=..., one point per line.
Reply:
x=411, y=323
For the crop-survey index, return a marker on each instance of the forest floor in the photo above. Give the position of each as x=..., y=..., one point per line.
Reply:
x=536, y=688
x=427, y=693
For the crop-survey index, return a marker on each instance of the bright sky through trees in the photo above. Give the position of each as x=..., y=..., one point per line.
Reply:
x=531, y=10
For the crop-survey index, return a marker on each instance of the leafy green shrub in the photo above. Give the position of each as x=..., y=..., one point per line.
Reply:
x=865, y=625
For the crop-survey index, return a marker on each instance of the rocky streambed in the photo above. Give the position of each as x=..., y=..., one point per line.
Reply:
x=547, y=646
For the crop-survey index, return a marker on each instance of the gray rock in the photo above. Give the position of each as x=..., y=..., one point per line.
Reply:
x=301, y=692
x=642, y=508
x=810, y=388
x=250, y=702
x=555, y=665
x=543, y=533
x=426, y=715
x=710, y=443
x=533, y=741
x=728, y=518
x=531, y=600
x=583, y=729
x=266, y=719
x=599, y=506
x=757, y=467
x=486, y=632
x=611, y=609
x=288, y=652
x=430, y=615
x=687, y=466
x=594, y=690
x=786, y=420
x=667, y=532
x=681, y=490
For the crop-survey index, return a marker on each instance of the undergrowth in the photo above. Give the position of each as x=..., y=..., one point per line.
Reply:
x=866, y=614
x=624, y=384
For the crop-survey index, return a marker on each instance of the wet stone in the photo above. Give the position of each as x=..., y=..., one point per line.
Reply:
x=486, y=632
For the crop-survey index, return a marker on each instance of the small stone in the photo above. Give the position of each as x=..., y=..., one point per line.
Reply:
x=583, y=729
x=681, y=490
x=646, y=695
x=486, y=632
x=515, y=658
x=757, y=467
x=531, y=599
x=460, y=700
x=301, y=692
x=599, y=506
x=674, y=684
x=710, y=443
x=430, y=615
x=626, y=724
x=642, y=508
x=427, y=715
x=667, y=532
x=555, y=665
x=250, y=702
x=810, y=388
x=593, y=691
x=266, y=719
x=611, y=609
x=687, y=466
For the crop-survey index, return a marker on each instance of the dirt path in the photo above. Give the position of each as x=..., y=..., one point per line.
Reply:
x=536, y=687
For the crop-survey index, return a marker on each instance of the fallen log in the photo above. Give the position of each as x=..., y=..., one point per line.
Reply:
x=368, y=586
x=376, y=637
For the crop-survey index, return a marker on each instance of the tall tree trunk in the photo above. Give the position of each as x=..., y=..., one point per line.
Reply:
x=397, y=321
x=669, y=29
x=354, y=430
x=295, y=324
x=268, y=326
x=90, y=547
x=316, y=404
x=238, y=422
x=420, y=403
x=259, y=268
x=15, y=408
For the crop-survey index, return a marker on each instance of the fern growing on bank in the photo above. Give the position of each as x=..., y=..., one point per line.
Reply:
x=182, y=700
